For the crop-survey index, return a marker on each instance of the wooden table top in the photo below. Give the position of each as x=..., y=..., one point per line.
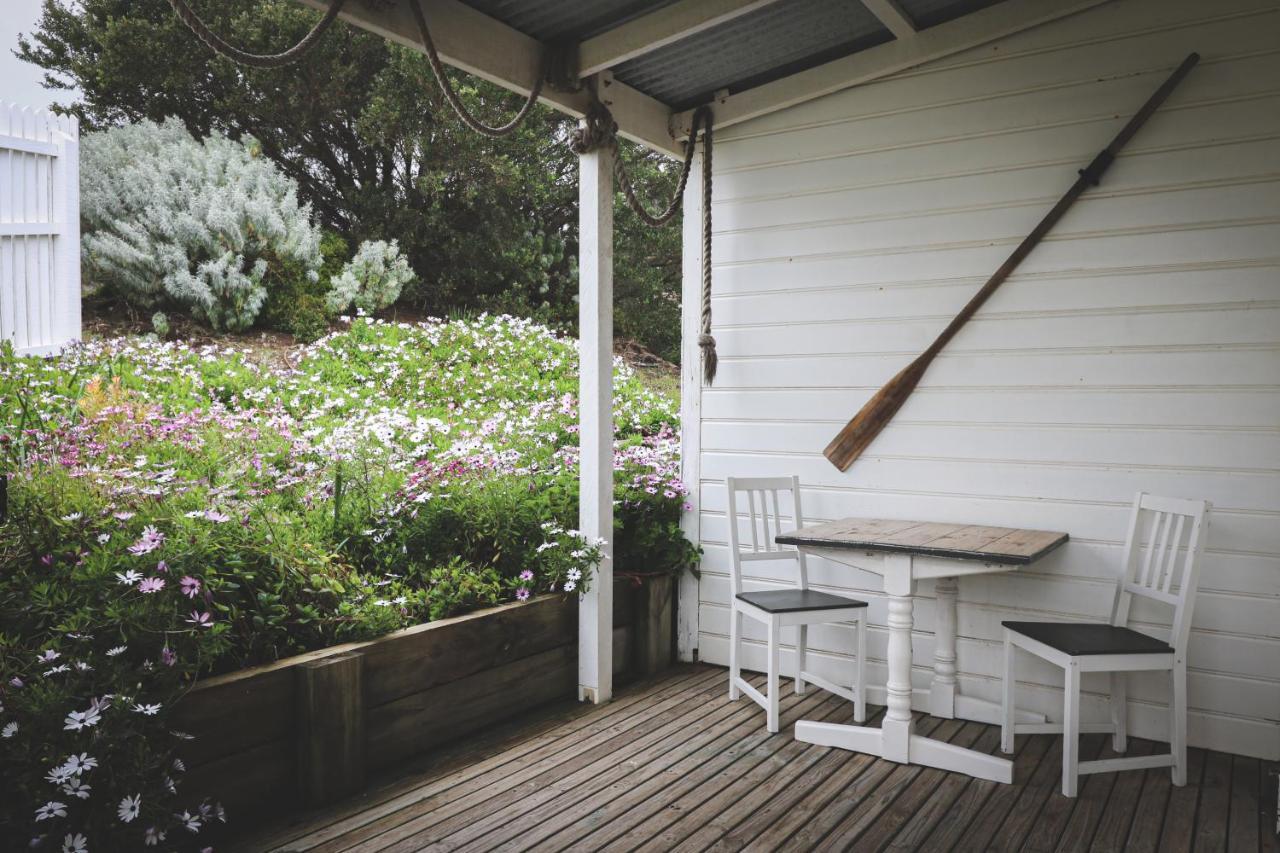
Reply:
x=1006, y=545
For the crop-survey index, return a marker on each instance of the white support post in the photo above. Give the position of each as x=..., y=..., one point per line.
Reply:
x=595, y=417
x=690, y=406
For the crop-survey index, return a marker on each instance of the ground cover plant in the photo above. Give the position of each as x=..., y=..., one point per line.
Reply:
x=176, y=511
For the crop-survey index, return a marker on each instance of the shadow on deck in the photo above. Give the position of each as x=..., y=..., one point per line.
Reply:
x=672, y=764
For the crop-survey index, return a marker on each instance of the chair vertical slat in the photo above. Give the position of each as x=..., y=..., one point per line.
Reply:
x=1157, y=521
x=1171, y=563
x=1160, y=552
x=764, y=518
x=777, y=518
x=751, y=506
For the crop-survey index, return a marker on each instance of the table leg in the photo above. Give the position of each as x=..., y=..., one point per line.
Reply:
x=897, y=725
x=945, y=700
x=942, y=692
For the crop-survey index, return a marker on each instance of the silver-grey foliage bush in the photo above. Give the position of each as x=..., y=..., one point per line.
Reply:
x=372, y=279
x=191, y=223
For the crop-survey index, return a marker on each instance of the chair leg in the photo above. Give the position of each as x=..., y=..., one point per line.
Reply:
x=1071, y=731
x=1007, y=702
x=1119, y=711
x=775, y=654
x=802, y=646
x=860, y=674
x=735, y=664
x=1178, y=710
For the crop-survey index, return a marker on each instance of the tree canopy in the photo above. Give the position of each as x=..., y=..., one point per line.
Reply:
x=360, y=124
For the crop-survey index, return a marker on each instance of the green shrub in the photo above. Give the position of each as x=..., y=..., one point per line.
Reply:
x=296, y=300
x=196, y=224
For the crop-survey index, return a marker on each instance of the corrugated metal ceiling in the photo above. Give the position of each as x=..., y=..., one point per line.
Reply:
x=767, y=44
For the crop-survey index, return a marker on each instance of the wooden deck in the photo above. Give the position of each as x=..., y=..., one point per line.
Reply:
x=672, y=764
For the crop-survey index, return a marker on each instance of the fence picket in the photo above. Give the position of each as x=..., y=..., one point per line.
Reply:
x=39, y=229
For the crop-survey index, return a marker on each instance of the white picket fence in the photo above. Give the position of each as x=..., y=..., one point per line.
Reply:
x=39, y=229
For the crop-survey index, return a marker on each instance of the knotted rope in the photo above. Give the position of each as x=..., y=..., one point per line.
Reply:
x=256, y=60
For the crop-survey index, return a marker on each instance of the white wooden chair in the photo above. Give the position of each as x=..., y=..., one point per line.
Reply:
x=781, y=608
x=1165, y=571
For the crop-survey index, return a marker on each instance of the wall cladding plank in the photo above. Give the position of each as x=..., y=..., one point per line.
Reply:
x=1137, y=348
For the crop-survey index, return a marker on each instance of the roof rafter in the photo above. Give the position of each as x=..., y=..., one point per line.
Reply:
x=986, y=25
x=658, y=29
x=473, y=42
x=892, y=16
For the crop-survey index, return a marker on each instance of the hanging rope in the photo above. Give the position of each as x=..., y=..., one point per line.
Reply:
x=599, y=130
x=256, y=60
x=437, y=68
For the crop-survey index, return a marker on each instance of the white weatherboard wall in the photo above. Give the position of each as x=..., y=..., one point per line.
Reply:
x=39, y=229
x=1137, y=348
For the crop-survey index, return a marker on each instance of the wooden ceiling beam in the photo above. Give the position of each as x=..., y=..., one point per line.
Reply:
x=892, y=16
x=658, y=29
x=473, y=42
x=977, y=28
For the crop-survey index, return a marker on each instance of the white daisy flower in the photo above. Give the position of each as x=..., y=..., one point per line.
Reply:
x=117, y=650
x=9, y=730
x=51, y=809
x=129, y=808
x=75, y=844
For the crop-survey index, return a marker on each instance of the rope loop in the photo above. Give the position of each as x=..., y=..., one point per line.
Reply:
x=256, y=60
x=450, y=95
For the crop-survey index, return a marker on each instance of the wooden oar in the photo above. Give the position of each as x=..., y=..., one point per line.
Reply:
x=880, y=409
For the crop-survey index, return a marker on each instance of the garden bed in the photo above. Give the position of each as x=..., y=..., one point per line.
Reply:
x=265, y=741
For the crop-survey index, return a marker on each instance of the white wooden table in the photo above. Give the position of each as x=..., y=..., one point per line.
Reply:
x=903, y=552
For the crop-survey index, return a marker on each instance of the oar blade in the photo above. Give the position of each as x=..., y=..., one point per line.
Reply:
x=875, y=415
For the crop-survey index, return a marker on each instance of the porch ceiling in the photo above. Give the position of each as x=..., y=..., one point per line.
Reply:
x=764, y=44
x=658, y=59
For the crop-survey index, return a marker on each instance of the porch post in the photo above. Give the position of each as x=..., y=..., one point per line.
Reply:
x=690, y=405
x=595, y=416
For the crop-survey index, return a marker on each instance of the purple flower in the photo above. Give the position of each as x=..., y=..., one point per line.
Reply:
x=217, y=517
x=167, y=657
x=522, y=594
x=47, y=559
x=190, y=586
x=526, y=575
x=150, y=540
x=162, y=567
x=149, y=585
x=200, y=620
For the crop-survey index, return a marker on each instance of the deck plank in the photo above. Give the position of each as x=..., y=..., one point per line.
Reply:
x=499, y=825
x=449, y=795
x=1215, y=804
x=870, y=810
x=1121, y=810
x=474, y=759
x=675, y=801
x=1242, y=826
x=936, y=808
x=836, y=798
x=536, y=782
x=632, y=784
x=917, y=796
x=673, y=764
x=1177, y=834
x=985, y=802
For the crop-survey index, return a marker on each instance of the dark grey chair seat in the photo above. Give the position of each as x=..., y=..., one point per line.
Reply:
x=797, y=600
x=1076, y=638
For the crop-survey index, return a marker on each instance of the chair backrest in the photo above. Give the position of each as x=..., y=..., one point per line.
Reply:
x=764, y=512
x=1162, y=559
